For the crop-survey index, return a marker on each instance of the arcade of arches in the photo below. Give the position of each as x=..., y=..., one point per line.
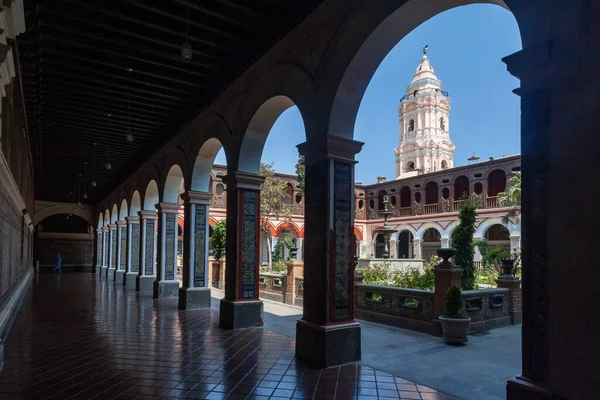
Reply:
x=323, y=66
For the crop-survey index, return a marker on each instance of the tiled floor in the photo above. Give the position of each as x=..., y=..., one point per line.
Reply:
x=82, y=337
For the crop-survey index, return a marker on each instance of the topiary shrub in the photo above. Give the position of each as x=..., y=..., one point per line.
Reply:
x=462, y=241
x=453, y=302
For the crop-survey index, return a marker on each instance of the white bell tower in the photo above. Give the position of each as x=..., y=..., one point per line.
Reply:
x=424, y=144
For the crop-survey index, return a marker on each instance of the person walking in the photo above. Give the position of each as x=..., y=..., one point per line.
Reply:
x=58, y=263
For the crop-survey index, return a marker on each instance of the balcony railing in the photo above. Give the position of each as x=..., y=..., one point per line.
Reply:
x=457, y=205
x=431, y=208
x=491, y=202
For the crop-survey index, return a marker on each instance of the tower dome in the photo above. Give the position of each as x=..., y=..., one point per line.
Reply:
x=424, y=112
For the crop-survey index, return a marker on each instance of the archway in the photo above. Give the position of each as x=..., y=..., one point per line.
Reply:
x=405, y=244
x=461, y=191
x=496, y=182
x=497, y=235
x=201, y=174
x=136, y=204
x=151, y=198
x=431, y=198
x=432, y=240
x=173, y=185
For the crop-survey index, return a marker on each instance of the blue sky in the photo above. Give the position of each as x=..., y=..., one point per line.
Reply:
x=466, y=45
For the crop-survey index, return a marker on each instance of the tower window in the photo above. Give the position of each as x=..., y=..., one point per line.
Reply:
x=410, y=166
x=444, y=164
x=411, y=125
x=442, y=124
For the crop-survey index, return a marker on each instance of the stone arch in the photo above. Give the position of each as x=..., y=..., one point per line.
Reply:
x=362, y=45
x=106, y=217
x=203, y=164
x=212, y=221
x=357, y=232
x=271, y=228
x=173, y=184
x=114, y=214
x=401, y=228
x=123, y=210
x=46, y=209
x=136, y=204
x=287, y=225
x=513, y=229
x=429, y=225
x=151, y=197
x=100, y=221
x=496, y=179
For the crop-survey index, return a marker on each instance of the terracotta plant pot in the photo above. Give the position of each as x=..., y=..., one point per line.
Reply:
x=455, y=329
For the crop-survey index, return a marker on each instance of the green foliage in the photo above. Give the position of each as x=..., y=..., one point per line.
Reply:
x=278, y=267
x=462, y=241
x=301, y=172
x=278, y=249
x=380, y=274
x=377, y=274
x=511, y=197
x=218, y=239
x=453, y=302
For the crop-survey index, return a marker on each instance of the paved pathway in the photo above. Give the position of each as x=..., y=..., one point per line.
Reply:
x=79, y=336
x=477, y=371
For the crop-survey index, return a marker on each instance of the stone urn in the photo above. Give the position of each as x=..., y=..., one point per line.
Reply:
x=293, y=253
x=455, y=329
x=445, y=255
x=507, y=267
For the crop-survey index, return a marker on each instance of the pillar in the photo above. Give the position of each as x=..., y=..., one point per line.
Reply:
x=241, y=307
x=112, y=251
x=446, y=274
x=393, y=248
x=515, y=310
x=417, y=250
x=166, y=283
x=147, y=272
x=133, y=250
x=195, y=291
x=515, y=242
x=327, y=334
x=559, y=93
x=105, y=251
x=99, y=250
x=121, y=251
x=300, y=254
x=445, y=242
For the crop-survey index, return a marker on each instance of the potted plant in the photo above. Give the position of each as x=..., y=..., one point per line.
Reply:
x=454, y=324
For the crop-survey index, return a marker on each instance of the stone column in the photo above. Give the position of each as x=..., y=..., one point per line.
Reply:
x=105, y=251
x=133, y=250
x=99, y=251
x=195, y=292
x=166, y=283
x=241, y=307
x=446, y=275
x=300, y=254
x=393, y=248
x=112, y=249
x=147, y=271
x=515, y=242
x=121, y=251
x=417, y=250
x=445, y=242
x=515, y=310
x=327, y=334
x=294, y=270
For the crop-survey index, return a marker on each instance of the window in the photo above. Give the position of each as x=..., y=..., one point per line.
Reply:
x=219, y=189
x=410, y=166
x=411, y=125
x=442, y=124
x=444, y=164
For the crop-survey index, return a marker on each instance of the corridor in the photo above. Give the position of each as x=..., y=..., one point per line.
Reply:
x=79, y=336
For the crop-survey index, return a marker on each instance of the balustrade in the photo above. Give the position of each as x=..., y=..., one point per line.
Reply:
x=491, y=202
x=431, y=208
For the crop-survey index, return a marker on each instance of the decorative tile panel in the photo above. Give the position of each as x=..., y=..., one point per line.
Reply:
x=200, y=245
x=342, y=221
x=170, y=245
x=123, y=261
x=249, y=246
x=99, y=248
x=149, y=267
x=135, y=247
x=113, y=247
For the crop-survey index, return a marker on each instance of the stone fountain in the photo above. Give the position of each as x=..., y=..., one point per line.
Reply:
x=387, y=232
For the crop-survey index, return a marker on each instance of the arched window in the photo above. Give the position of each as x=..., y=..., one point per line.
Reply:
x=380, y=197
x=411, y=125
x=410, y=166
x=442, y=124
x=444, y=164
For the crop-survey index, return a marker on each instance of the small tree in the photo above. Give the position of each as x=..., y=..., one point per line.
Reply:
x=218, y=240
x=300, y=172
x=511, y=197
x=453, y=302
x=462, y=240
x=273, y=191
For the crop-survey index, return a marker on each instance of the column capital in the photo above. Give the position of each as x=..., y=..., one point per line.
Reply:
x=169, y=208
x=112, y=227
x=99, y=230
x=104, y=229
x=148, y=214
x=121, y=224
x=194, y=197
x=132, y=219
x=243, y=180
x=332, y=147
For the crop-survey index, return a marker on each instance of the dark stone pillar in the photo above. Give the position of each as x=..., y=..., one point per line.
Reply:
x=112, y=251
x=241, y=307
x=446, y=275
x=166, y=283
x=99, y=251
x=147, y=272
x=195, y=291
x=133, y=251
x=121, y=251
x=327, y=334
x=560, y=106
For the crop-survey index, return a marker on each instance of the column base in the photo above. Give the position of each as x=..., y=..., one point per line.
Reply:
x=98, y=269
x=130, y=278
x=103, y=271
x=240, y=314
x=520, y=388
x=164, y=289
x=110, y=274
x=191, y=298
x=516, y=317
x=144, y=283
x=322, y=346
x=119, y=276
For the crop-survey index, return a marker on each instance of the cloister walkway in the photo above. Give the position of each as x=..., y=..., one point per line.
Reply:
x=79, y=336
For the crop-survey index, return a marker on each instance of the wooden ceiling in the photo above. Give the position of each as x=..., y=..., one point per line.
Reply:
x=81, y=99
